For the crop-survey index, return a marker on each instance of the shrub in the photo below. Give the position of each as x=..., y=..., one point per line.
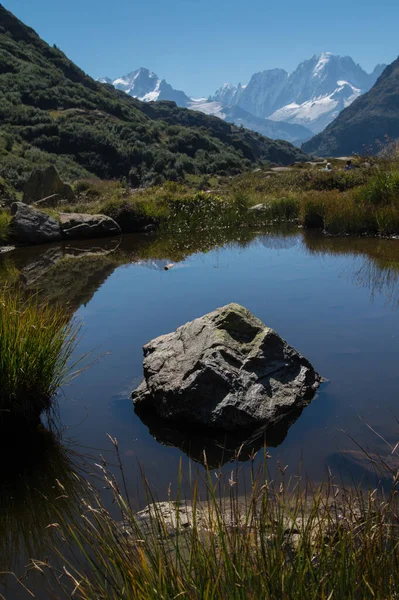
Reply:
x=382, y=190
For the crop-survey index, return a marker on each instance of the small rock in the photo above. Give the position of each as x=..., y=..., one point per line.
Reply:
x=4, y=249
x=259, y=207
x=79, y=226
x=31, y=226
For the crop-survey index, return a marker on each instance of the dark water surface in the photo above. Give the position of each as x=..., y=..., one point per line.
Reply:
x=334, y=299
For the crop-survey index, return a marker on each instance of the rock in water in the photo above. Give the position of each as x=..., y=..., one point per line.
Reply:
x=225, y=370
x=43, y=183
x=31, y=226
x=79, y=226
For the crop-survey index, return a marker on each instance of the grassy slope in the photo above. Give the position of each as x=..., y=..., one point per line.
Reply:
x=50, y=111
x=369, y=119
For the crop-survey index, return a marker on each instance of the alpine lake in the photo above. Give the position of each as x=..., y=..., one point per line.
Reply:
x=334, y=299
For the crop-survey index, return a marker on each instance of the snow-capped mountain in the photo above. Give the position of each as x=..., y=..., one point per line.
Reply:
x=146, y=86
x=313, y=95
x=261, y=94
x=228, y=94
x=319, y=111
x=296, y=134
x=274, y=103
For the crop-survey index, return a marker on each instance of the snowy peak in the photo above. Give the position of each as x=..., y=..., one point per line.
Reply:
x=147, y=86
x=309, y=98
x=228, y=94
x=137, y=83
x=322, y=64
x=312, y=95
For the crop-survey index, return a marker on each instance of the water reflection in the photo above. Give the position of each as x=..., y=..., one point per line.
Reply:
x=288, y=279
x=39, y=480
x=219, y=448
x=375, y=264
x=74, y=272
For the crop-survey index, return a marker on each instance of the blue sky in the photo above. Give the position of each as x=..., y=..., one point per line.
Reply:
x=197, y=45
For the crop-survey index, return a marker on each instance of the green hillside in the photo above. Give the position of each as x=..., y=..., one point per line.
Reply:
x=50, y=111
x=366, y=124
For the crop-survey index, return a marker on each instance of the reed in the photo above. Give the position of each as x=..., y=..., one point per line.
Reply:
x=5, y=219
x=285, y=539
x=36, y=344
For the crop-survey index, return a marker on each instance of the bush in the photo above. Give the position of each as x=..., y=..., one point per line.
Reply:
x=382, y=190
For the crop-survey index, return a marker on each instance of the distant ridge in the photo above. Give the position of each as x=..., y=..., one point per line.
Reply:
x=146, y=86
x=303, y=102
x=364, y=125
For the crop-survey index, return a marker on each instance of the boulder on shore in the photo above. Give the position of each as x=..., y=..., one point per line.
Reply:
x=226, y=371
x=79, y=226
x=43, y=183
x=31, y=226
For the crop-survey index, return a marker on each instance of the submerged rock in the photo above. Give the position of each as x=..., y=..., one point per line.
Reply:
x=43, y=183
x=75, y=226
x=31, y=226
x=226, y=371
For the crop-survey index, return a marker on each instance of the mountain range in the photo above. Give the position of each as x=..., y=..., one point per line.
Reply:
x=274, y=103
x=52, y=112
x=367, y=125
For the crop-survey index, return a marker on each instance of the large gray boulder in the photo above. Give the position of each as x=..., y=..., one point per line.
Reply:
x=31, y=226
x=225, y=370
x=43, y=183
x=78, y=226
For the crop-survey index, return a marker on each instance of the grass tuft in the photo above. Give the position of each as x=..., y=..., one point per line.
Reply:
x=5, y=219
x=36, y=344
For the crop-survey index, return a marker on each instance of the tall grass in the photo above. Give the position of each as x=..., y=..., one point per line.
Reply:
x=5, y=219
x=381, y=190
x=358, y=201
x=36, y=344
x=281, y=539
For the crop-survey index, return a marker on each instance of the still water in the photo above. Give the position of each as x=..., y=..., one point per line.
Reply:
x=334, y=299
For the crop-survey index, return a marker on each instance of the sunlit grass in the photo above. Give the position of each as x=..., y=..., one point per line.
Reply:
x=364, y=200
x=36, y=344
x=5, y=219
x=226, y=539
